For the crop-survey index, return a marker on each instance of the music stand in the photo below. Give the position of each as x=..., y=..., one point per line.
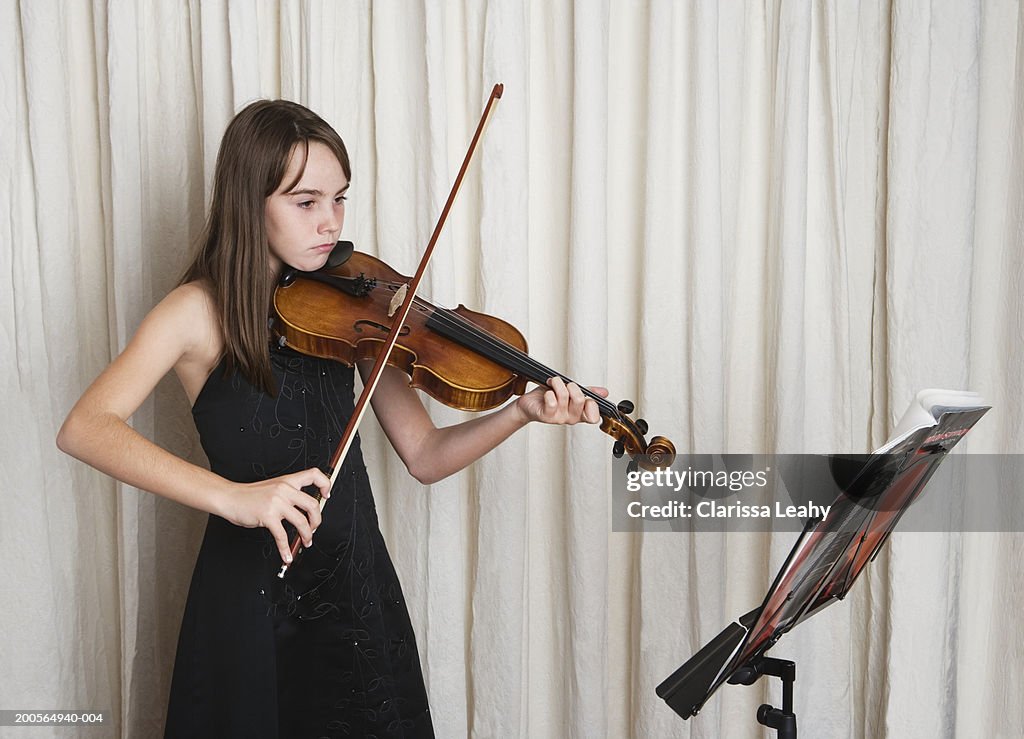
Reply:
x=820, y=569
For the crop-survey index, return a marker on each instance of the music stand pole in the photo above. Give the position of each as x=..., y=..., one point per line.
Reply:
x=783, y=720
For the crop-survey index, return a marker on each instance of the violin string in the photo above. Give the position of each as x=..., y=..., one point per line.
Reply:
x=501, y=351
x=497, y=346
x=504, y=353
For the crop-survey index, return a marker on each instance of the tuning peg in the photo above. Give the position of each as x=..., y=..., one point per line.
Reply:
x=625, y=406
x=632, y=467
x=618, y=450
x=642, y=425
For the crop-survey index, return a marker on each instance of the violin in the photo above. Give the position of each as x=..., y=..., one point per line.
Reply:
x=356, y=307
x=467, y=360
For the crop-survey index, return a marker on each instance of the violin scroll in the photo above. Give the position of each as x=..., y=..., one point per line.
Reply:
x=658, y=453
x=661, y=452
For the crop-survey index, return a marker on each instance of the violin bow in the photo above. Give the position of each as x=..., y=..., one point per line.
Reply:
x=399, y=315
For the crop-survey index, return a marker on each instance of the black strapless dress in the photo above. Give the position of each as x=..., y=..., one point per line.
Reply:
x=327, y=652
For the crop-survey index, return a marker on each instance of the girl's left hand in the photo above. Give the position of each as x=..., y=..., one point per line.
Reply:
x=560, y=403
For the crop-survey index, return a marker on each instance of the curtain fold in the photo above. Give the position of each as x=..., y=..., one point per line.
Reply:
x=767, y=225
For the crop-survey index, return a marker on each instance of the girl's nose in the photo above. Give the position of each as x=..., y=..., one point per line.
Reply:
x=331, y=222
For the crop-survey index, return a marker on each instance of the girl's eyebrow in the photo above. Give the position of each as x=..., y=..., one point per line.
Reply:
x=315, y=193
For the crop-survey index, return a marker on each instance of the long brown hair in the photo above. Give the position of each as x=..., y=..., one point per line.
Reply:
x=233, y=249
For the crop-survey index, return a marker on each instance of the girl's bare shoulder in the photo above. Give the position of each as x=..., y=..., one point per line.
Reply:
x=193, y=311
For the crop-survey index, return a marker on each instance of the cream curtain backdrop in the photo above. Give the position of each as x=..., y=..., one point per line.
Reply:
x=768, y=224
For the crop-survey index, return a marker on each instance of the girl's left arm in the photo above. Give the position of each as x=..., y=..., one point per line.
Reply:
x=431, y=454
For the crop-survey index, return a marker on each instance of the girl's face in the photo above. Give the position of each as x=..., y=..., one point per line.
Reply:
x=304, y=222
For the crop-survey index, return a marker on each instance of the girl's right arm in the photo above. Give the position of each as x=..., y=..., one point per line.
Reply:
x=181, y=333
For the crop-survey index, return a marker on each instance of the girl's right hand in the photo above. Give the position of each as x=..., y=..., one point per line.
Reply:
x=269, y=502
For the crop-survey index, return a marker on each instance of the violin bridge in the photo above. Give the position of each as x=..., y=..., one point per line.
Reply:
x=397, y=299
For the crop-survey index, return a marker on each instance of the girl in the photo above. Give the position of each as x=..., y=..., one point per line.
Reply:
x=331, y=651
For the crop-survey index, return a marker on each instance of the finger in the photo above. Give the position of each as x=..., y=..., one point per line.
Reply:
x=591, y=413
x=310, y=508
x=598, y=390
x=557, y=395
x=322, y=481
x=557, y=386
x=297, y=518
x=313, y=476
x=281, y=537
x=299, y=498
x=576, y=403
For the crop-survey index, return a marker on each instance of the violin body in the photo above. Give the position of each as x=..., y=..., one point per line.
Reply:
x=318, y=319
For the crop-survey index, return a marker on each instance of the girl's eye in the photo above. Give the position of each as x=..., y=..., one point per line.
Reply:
x=341, y=198
x=306, y=204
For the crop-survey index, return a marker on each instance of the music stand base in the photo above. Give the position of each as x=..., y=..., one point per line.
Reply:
x=783, y=720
